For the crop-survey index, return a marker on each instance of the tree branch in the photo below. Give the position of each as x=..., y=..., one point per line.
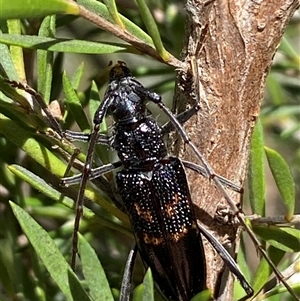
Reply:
x=233, y=44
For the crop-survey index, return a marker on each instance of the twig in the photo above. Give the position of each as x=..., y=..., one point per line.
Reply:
x=274, y=220
x=128, y=37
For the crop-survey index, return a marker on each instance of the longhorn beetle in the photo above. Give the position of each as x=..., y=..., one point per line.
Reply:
x=175, y=122
x=153, y=188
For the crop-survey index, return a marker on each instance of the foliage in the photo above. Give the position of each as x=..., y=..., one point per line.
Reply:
x=34, y=49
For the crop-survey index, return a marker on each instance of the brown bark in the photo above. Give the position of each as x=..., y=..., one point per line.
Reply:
x=241, y=38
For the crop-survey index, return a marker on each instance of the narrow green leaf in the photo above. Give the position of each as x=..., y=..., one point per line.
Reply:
x=74, y=104
x=65, y=45
x=49, y=191
x=39, y=184
x=57, y=196
x=282, y=112
x=76, y=78
x=75, y=82
x=275, y=89
x=6, y=62
x=289, y=50
x=93, y=272
x=264, y=271
x=36, y=8
x=284, y=180
x=244, y=267
x=11, y=265
x=112, y=8
x=203, y=296
x=50, y=255
x=45, y=59
x=275, y=254
x=148, y=292
x=261, y=276
x=256, y=173
x=94, y=103
x=34, y=149
x=279, y=290
x=14, y=27
x=138, y=293
x=101, y=10
x=285, y=239
x=152, y=29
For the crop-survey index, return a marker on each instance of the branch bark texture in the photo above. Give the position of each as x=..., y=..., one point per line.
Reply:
x=233, y=43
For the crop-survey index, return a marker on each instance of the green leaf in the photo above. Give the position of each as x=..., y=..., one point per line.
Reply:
x=275, y=254
x=64, y=45
x=279, y=290
x=138, y=293
x=264, y=270
x=261, y=276
x=36, y=8
x=52, y=193
x=45, y=59
x=10, y=261
x=76, y=78
x=145, y=291
x=203, y=296
x=14, y=27
x=6, y=62
x=256, y=173
x=112, y=8
x=39, y=184
x=50, y=255
x=94, y=103
x=148, y=291
x=244, y=267
x=34, y=149
x=94, y=274
x=284, y=180
x=289, y=50
x=285, y=239
x=57, y=196
x=101, y=10
x=275, y=90
x=74, y=105
x=152, y=29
